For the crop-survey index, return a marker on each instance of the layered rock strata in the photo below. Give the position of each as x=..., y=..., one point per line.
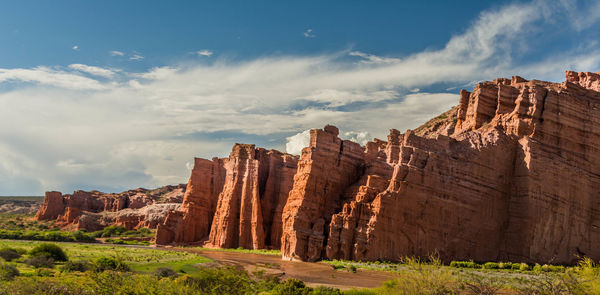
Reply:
x=233, y=202
x=95, y=210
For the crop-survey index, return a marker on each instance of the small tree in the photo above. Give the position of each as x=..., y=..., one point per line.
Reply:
x=49, y=250
x=8, y=272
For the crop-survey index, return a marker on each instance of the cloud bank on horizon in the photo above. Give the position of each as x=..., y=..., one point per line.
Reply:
x=91, y=127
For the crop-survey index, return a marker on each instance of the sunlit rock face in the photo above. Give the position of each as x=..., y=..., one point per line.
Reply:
x=233, y=202
x=510, y=174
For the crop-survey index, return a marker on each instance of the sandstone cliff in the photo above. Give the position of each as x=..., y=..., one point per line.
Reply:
x=95, y=210
x=233, y=202
x=511, y=173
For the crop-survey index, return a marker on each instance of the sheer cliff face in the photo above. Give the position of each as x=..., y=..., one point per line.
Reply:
x=515, y=178
x=243, y=206
x=192, y=222
x=94, y=210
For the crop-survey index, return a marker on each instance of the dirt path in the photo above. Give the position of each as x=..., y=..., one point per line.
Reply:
x=312, y=274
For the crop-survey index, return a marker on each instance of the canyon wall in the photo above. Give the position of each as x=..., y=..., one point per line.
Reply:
x=233, y=202
x=511, y=173
x=94, y=210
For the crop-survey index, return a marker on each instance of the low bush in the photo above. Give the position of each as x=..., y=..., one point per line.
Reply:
x=322, y=290
x=79, y=265
x=9, y=254
x=109, y=231
x=291, y=287
x=49, y=250
x=464, y=264
x=524, y=267
x=51, y=235
x=165, y=272
x=40, y=261
x=8, y=272
x=491, y=265
x=109, y=263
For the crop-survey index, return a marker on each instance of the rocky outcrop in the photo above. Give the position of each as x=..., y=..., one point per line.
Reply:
x=233, y=202
x=20, y=205
x=192, y=222
x=52, y=207
x=90, y=210
x=512, y=176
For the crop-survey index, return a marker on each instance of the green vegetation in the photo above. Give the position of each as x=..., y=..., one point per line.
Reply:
x=121, y=231
x=52, y=251
x=23, y=222
x=242, y=250
x=106, y=269
x=126, y=242
x=52, y=235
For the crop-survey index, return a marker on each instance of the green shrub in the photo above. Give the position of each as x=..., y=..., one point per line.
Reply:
x=464, y=264
x=491, y=265
x=165, y=272
x=9, y=254
x=352, y=268
x=109, y=263
x=79, y=265
x=226, y=280
x=44, y=272
x=49, y=250
x=113, y=230
x=322, y=290
x=291, y=287
x=8, y=272
x=40, y=261
x=524, y=267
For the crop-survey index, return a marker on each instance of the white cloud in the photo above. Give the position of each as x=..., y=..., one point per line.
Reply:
x=50, y=77
x=136, y=56
x=116, y=53
x=75, y=47
x=96, y=71
x=370, y=58
x=297, y=142
x=140, y=129
x=360, y=137
x=204, y=52
x=309, y=34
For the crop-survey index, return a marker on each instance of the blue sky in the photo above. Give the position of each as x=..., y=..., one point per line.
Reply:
x=114, y=95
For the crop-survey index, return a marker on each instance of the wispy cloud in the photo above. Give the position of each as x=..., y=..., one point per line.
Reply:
x=204, y=52
x=309, y=34
x=136, y=56
x=96, y=71
x=115, y=131
x=75, y=47
x=116, y=53
x=50, y=77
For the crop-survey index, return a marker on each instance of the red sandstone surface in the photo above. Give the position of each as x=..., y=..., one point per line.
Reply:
x=94, y=210
x=510, y=174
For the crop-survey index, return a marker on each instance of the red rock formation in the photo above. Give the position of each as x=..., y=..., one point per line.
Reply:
x=516, y=179
x=52, y=207
x=69, y=209
x=192, y=222
x=234, y=202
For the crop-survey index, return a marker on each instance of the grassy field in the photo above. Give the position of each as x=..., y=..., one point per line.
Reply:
x=140, y=259
x=242, y=250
